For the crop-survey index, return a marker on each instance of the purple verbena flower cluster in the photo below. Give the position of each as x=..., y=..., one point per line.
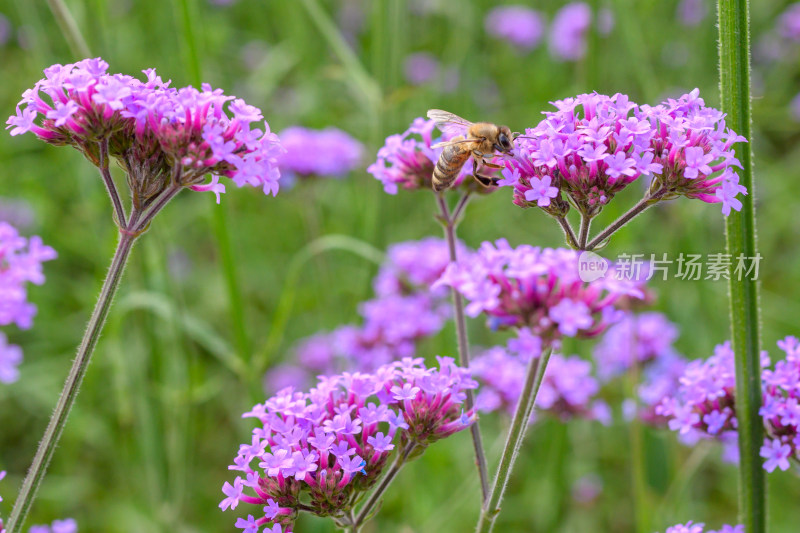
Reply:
x=159, y=135
x=704, y=403
x=691, y=527
x=318, y=451
x=521, y=26
x=567, y=391
x=781, y=408
x=636, y=339
x=20, y=263
x=414, y=266
x=596, y=145
x=537, y=288
x=328, y=152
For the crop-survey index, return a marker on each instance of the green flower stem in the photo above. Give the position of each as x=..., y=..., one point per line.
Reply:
x=450, y=222
x=586, y=223
x=734, y=81
x=633, y=212
x=219, y=213
x=69, y=28
x=70, y=392
x=569, y=233
x=113, y=193
x=374, y=498
x=516, y=433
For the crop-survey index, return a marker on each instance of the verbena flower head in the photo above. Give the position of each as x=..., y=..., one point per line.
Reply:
x=781, y=408
x=414, y=266
x=704, y=402
x=320, y=450
x=407, y=160
x=635, y=339
x=594, y=146
x=536, y=288
x=568, y=388
x=158, y=134
x=323, y=153
x=660, y=380
x=519, y=25
x=20, y=263
x=691, y=527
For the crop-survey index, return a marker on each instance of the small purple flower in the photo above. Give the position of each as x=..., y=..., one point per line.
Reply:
x=249, y=525
x=232, y=493
x=352, y=465
x=541, y=192
x=381, y=443
x=571, y=316
x=519, y=25
x=776, y=454
x=789, y=23
x=68, y=525
x=406, y=392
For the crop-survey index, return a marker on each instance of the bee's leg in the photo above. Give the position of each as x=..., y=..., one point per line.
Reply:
x=486, y=181
x=492, y=165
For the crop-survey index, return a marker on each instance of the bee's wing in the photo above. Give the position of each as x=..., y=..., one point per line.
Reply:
x=449, y=143
x=449, y=123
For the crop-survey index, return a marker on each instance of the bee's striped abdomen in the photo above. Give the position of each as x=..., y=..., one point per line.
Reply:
x=448, y=166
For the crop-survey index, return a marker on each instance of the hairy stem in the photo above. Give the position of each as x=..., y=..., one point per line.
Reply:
x=450, y=222
x=516, y=433
x=633, y=212
x=119, y=211
x=569, y=233
x=586, y=223
x=734, y=82
x=70, y=392
x=374, y=498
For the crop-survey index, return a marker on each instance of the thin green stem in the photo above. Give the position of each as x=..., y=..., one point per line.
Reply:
x=569, y=233
x=586, y=223
x=516, y=433
x=374, y=498
x=69, y=28
x=734, y=76
x=119, y=211
x=219, y=213
x=633, y=212
x=450, y=223
x=58, y=420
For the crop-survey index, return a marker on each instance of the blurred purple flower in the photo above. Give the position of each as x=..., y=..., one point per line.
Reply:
x=568, y=31
x=795, y=107
x=5, y=30
x=519, y=25
x=691, y=527
x=421, y=68
x=18, y=213
x=789, y=23
x=10, y=359
x=692, y=12
x=324, y=153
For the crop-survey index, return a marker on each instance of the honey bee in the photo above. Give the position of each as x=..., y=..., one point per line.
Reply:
x=478, y=140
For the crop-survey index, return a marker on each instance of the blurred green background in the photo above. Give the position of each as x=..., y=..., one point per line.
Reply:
x=158, y=420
